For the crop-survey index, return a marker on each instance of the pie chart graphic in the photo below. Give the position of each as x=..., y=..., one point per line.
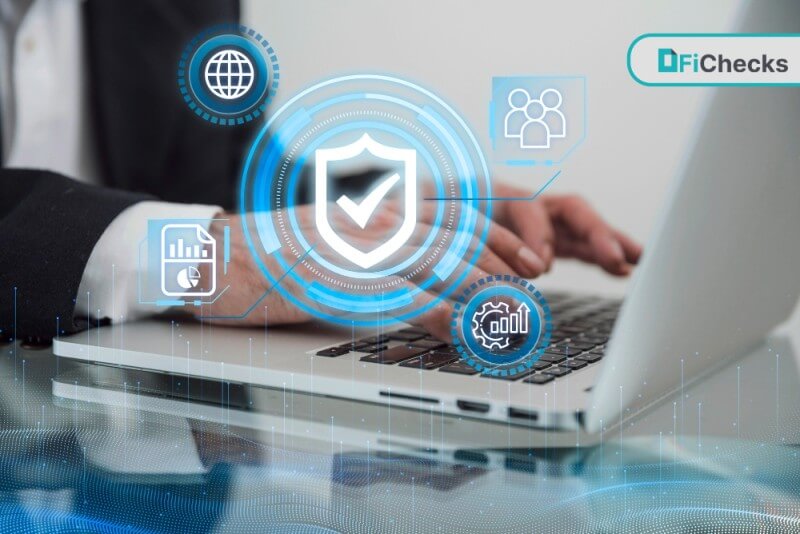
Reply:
x=188, y=278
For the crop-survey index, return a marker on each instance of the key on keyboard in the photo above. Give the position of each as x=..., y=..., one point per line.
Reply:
x=429, y=361
x=394, y=355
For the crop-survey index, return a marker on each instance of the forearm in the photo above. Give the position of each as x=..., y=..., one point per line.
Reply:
x=49, y=226
x=109, y=288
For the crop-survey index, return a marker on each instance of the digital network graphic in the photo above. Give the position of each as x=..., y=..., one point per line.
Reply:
x=536, y=120
x=228, y=74
x=365, y=199
x=501, y=325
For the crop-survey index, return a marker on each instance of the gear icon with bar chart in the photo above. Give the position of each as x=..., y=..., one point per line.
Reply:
x=501, y=325
x=494, y=326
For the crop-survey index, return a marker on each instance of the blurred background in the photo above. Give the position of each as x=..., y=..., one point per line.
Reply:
x=636, y=136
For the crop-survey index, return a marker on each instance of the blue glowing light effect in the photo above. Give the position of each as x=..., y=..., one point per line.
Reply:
x=265, y=76
x=511, y=361
x=391, y=110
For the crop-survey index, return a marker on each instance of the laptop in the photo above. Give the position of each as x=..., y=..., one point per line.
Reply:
x=718, y=274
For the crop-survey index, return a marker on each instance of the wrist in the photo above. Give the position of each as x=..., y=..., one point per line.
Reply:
x=216, y=229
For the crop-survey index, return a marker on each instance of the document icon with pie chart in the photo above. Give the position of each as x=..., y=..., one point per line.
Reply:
x=184, y=248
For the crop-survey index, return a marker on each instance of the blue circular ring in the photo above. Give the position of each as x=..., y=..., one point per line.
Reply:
x=527, y=357
x=192, y=89
x=488, y=356
x=253, y=159
x=293, y=219
x=197, y=86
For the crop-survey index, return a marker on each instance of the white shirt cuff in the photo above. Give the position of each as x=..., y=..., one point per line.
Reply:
x=109, y=287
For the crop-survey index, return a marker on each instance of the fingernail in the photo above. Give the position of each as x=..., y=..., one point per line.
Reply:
x=619, y=254
x=547, y=252
x=547, y=255
x=533, y=262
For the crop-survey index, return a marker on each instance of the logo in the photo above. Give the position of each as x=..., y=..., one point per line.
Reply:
x=183, y=248
x=667, y=60
x=671, y=61
x=228, y=74
x=362, y=211
x=715, y=59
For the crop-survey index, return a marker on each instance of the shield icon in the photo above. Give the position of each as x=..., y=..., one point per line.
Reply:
x=360, y=212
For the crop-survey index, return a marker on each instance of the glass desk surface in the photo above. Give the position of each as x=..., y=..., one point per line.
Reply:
x=85, y=447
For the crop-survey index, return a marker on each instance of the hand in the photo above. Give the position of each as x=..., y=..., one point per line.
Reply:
x=527, y=235
x=247, y=282
x=566, y=226
x=524, y=239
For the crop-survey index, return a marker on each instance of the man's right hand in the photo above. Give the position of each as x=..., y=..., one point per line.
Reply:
x=571, y=228
x=502, y=255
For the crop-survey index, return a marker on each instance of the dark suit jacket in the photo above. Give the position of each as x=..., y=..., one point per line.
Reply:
x=149, y=145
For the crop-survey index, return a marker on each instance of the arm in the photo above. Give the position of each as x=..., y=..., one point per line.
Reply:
x=49, y=226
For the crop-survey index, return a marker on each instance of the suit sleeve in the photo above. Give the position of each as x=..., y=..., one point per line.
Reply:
x=49, y=226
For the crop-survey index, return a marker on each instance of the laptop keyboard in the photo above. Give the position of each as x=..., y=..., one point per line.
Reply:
x=581, y=328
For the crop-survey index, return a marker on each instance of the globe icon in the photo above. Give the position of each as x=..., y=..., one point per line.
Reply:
x=229, y=74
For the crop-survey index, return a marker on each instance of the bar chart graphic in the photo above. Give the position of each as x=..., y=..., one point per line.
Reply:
x=184, y=248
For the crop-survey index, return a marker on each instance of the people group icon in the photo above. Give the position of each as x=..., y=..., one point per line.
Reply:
x=535, y=121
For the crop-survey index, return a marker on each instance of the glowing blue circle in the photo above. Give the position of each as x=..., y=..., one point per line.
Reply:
x=523, y=357
x=262, y=157
x=486, y=355
x=293, y=219
x=241, y=39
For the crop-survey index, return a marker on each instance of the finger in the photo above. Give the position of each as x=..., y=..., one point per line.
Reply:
x=575, y=215
x=532, y=222
x=437, y=316
x=464, y=272
x=608, y=252
x=599, y=248
x=491, y=263
x=425, y=212
x=512, y=251
x=632, y=249
x=503, y=253
x=468, y=275
x=577, y=222
x=489, y=259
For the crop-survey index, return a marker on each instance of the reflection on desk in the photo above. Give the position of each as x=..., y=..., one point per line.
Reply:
x=122, y=450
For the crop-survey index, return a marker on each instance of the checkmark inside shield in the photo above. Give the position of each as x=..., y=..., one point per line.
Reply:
x=361, y=212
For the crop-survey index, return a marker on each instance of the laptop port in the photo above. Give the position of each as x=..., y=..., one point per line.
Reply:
x=470, y=457
x=403, y=396
x=518, y=413
x=472, y=406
